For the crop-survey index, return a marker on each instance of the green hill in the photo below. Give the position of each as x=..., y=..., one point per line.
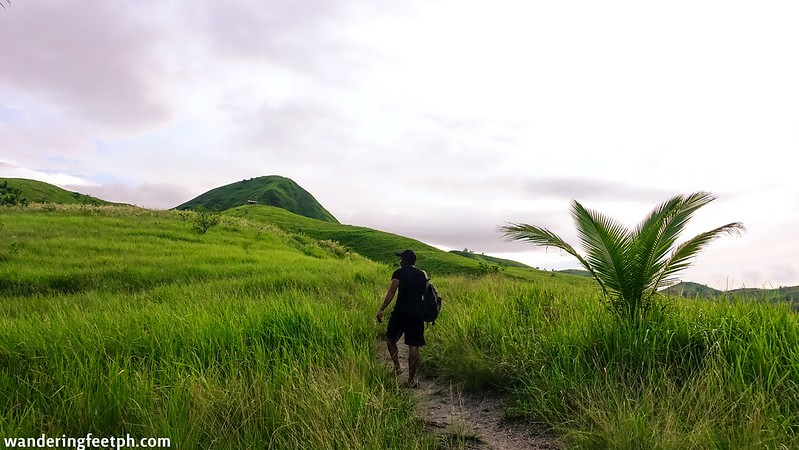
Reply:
x=40, y=192
x=375, y=245
x=580, y=272
x=270, y=190
x=783, y=293
x=126, y=320
x=121, y=315
x=788, y=294
x=490, y=259
x=687, y=289
x=380, y=246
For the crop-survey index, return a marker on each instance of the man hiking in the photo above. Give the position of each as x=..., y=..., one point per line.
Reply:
x=404, y=319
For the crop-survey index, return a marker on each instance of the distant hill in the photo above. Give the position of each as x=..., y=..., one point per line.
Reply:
x=689, y=289
x=40, y=192
x=490, y=259
x=579, y=272
x=788, y=294
x=270, y=190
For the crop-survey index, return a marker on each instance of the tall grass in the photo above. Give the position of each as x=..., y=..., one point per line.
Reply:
x=702, y=375
x=117, y=321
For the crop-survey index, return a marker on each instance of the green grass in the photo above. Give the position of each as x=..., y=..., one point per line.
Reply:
x=118, y=320
x=271, y=190
x=380, y=246
x=40, y=192
x=258, y=334
x=783, y=294
x=491, y=259
x=703, y=375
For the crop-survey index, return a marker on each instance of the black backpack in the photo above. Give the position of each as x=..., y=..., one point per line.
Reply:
x=431, y=304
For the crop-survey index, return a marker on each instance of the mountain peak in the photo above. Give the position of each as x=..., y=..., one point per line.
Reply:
x=271, y=190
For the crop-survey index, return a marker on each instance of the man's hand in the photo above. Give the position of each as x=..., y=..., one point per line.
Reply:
x=379, y=316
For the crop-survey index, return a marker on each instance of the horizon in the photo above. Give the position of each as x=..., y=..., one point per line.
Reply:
x=437, y=121
x=528, y=259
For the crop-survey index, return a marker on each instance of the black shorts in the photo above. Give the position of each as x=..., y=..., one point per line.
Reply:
x=410, y=325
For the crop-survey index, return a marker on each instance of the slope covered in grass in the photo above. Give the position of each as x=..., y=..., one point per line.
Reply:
x=40, y=192
x=783, y=294
x=120, y=320
x=490, y=259
x=270, y=190
x=699, y=375
x=380, y=246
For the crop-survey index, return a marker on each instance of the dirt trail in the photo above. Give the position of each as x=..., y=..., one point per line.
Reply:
x=470, y=421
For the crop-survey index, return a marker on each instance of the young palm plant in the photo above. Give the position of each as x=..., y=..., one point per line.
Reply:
x=631, y=265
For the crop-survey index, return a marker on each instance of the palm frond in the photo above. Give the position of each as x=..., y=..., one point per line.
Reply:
x=657, y=234
x=542, y=237
x=536, y=236
x=683, y=254
x=676, y=220
x=646, y=249
x=606, y=243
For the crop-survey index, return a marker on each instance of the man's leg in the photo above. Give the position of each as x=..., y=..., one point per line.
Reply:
x=393, y=332
x=413, y=363
x=414, y=338
x=393, y=351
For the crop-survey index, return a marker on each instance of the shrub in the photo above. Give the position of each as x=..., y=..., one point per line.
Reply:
x=204, y=221
x=11, y=196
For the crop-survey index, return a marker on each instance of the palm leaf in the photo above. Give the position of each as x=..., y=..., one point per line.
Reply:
x=544, y=238
x=675, y=221
x=606, y=243
x=681, y=258
x=657, y=235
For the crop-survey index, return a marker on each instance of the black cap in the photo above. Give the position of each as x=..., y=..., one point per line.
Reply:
x=407, y=255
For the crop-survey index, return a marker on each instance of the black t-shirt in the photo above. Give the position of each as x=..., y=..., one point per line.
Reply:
x=411, y=287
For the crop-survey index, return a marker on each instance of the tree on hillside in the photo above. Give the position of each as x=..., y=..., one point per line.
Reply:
x=631, y=265
x=11, y=195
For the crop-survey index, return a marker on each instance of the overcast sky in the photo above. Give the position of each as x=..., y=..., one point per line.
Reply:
x=438, y=120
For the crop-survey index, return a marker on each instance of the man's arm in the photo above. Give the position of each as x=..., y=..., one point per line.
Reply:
x=392, y=291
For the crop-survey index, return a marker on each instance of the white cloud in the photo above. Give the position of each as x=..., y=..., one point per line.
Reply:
x=10, y=170
x=390, y=113
x=88, y=62
x=152, y=195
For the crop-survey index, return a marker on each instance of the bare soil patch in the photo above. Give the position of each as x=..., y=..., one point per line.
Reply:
x=470, y=421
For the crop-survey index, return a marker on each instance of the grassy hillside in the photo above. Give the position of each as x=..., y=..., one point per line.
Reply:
x=120, y=320
x=783, y=294
x=270, y=190
x=688, y=289
x=490, y=259
x=41, y=192
x=380, y=246
x=579, y=272
x=702, y=375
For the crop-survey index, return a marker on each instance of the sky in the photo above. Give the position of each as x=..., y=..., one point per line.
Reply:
x=439, y=120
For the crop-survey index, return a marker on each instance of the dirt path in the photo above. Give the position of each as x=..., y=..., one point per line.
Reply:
x=471, y=421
